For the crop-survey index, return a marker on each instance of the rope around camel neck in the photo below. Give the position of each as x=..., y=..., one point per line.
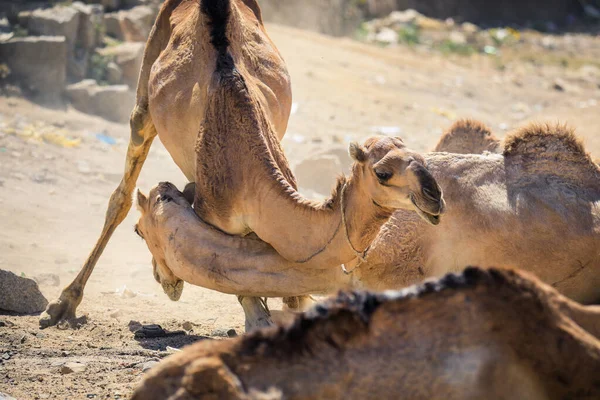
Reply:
x=360, y=255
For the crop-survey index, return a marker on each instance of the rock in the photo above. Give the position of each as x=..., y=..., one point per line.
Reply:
x=134, y=325
x=187, y=325
x=90, y=31
x=114, y=75
x=20, y=295
x=387, y=36
x=318, y=173
x=6, y=397
x=46, y=77
x=128, y=57
x=458, y=37
x=130, y=25
x=72, y=367
x=231, y=333
x=47, y=279
x=108, y=4
x=113, y=102
x=148, y=365
x=56, y=21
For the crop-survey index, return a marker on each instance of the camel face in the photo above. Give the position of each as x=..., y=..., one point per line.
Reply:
x=156, y=206
x=397, y=178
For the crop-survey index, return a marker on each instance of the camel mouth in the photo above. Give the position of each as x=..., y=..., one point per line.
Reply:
x=427, y=216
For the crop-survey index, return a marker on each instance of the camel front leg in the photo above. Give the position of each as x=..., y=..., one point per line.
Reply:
x=256, y=312
x=142, y=135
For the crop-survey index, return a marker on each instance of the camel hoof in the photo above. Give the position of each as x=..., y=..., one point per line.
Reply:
x=62, y=314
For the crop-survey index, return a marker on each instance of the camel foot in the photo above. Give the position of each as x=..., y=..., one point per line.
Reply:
x=61, y=312
x=256, y=311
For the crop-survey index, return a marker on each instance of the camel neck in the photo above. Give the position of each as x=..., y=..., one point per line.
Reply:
x=363, y=216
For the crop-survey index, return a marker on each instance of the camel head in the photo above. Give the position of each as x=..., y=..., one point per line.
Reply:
x=153, y=207
x=396, y=177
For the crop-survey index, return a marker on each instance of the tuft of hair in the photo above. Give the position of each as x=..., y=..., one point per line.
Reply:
x=468, y=136
x=536, y=138
x=349, y=314
x=218, y=12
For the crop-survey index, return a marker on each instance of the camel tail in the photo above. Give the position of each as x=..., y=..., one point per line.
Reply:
x=218, y=13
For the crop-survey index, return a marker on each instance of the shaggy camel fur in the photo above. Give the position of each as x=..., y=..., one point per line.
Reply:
x=483, y=334
x=535, y=207
x=468, y=136
x=173, y=88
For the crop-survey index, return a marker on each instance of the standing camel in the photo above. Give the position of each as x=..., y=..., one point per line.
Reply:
x=172, y=93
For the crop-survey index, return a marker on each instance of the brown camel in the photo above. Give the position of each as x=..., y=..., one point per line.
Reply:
x=482, y=334
x=212, y=77
x=534, y=207
x=177, y=71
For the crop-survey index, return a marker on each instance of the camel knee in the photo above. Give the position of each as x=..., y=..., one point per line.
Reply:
x=141, y=125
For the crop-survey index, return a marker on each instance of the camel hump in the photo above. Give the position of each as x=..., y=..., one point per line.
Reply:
x=468, y=136
x=550, y=139
x=550, y=150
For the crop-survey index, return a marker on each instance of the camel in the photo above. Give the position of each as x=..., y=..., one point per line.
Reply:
x=482, y=334
x=173, y=89
x=219, y=82
x=533, y=207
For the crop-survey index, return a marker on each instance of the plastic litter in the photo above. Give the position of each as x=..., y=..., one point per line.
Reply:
x=106, y=139
x=444, y=113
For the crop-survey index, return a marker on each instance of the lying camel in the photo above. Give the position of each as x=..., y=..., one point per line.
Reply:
x=535, y=207
x=173, y=88
x=482, y=334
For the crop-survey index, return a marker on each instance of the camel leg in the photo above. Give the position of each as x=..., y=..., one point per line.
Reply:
x=142, y=135
x=256, y=312
x=298, y=304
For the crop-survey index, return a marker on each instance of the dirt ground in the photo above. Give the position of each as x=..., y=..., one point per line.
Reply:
x=53, y=198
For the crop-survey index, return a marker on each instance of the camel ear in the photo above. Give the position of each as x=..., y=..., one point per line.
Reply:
x=357, y=152
x=141, y=201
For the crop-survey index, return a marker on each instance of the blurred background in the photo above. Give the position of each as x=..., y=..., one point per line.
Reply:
x=408, y=68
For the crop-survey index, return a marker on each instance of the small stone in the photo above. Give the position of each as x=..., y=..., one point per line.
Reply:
x=148, y=365
x=134, y=325
x=187, y=325
x=559, y=85
x=72, y=367
x=231, y=333
x=116, y=314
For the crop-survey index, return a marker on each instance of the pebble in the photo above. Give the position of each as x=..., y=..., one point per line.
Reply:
x=232, y=333
x=71, y=367
x=187, y=325
x=148, y=365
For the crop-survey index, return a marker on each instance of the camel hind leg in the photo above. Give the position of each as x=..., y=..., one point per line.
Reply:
x=142, y=136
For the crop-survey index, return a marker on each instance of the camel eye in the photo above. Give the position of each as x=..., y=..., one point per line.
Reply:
x=383, y=176
x=165, y=198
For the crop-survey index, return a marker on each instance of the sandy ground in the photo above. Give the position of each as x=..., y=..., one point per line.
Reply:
x=53, y=199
